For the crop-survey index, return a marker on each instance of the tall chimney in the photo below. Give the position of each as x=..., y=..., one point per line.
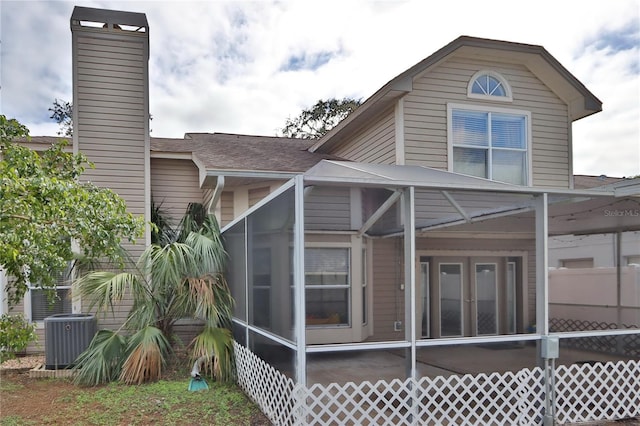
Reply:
x=110, y=51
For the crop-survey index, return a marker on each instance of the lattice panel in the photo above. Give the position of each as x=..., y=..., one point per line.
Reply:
x=381, y=403
x=487, y=399
x=584, y=393
x=494, y=399
x=598, y=391
x=271, y=390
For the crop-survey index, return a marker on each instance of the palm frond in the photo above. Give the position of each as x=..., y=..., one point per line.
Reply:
x=102, y=360
x=148, y=349
x=104, y=289
x=143, y=312
x=162, y=233
x=209, y=299
x=166, y=265
x=215, y=344
x=208, y=253
x=192, y=220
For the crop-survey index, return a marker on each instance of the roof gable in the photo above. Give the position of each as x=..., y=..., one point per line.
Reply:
x=580, y=100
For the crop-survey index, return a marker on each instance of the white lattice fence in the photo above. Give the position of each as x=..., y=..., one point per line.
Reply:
x=584, y=393
x=271, y=390
x=487, y=399
x=598, y=391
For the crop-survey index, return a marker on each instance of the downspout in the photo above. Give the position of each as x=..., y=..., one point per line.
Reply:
x=217, y=193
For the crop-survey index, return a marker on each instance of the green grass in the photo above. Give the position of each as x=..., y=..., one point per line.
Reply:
x=166, y=402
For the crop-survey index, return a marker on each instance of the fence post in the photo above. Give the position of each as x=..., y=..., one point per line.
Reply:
x=550, y=348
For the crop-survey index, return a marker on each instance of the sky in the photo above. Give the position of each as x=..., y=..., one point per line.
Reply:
x=245, y=67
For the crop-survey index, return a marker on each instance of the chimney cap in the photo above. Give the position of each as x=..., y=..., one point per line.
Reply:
x=115, y=17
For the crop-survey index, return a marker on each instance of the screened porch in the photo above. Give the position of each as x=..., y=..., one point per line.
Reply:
x=361, y=271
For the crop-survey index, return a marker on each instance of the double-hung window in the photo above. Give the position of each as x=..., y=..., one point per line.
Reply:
x=327, y=286
x=42, y=303
x=491, y=143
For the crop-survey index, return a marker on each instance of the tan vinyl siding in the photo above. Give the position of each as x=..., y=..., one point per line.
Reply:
x=328, y=209
x=111, y=122
x=111, y=119
x=375, y=144
x=425, y=116
x=388, y=299
x=257, y=194
x=226, y=207
x=174, y=184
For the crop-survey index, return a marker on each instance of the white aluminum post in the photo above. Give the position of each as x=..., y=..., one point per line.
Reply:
x=542, y=301
x=410, y=275
x=298, y=282
x=246, y=281
x=542, y=264
x=408, y=204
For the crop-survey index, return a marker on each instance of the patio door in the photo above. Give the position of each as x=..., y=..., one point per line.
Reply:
x=466, y=296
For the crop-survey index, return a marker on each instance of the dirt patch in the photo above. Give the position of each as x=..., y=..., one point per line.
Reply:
x=29, y=401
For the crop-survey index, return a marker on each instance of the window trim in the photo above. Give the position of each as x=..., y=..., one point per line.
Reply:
x=28, y=311
x=507, y=88
x=485, y=108
x=349, y=286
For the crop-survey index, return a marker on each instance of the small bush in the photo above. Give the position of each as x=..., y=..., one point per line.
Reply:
x=15, y=335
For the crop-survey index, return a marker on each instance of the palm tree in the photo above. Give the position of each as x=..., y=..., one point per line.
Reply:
x=171, y=280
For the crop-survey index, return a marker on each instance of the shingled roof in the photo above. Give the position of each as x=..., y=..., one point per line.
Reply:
x=224, y=151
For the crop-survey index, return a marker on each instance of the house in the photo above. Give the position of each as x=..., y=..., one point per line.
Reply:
x=415, y=232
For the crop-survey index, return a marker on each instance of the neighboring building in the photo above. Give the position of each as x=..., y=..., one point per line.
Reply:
x=596, y=250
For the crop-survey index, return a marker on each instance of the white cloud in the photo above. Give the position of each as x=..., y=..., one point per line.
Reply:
x=220, y=66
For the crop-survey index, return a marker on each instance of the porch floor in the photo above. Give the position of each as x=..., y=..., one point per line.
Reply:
x=359, y=366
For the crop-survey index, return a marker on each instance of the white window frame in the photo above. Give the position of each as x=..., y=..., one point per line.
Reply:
x=490, y=109
x=349, y=249
x=76, y=305
x=28, y=311
x=507, y=88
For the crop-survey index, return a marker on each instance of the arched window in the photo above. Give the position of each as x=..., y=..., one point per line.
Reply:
x=489, y=85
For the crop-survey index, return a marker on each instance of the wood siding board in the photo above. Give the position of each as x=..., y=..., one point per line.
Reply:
x=106, y=136
x=328, y=208
x=374, y=144
x=388, y=300
x=87, y=44
x=122, y=110
x=110, y=88
x=123, y=57
x=87, y=91
x=425, y=115
x=114, y=128
x=102, y=146
x=112, y=98
x=226, y=209
x=174, y=184
x=122, y=87
x=109, y=71
x=97, y=80
x=257, y=194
